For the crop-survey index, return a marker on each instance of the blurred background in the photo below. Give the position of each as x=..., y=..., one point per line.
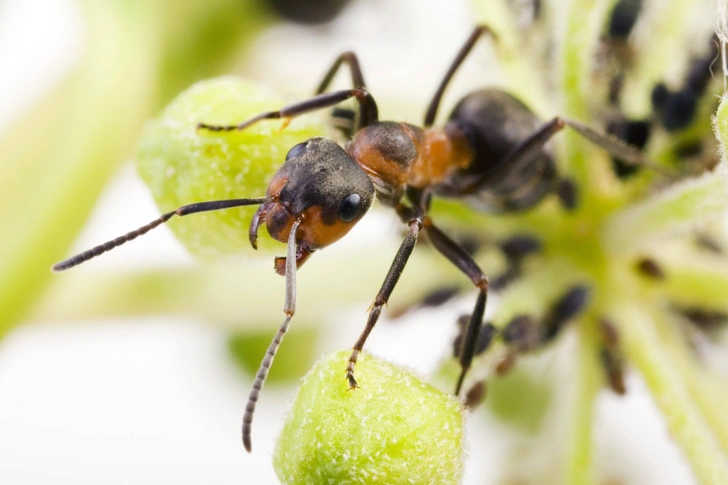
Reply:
x=139, y=395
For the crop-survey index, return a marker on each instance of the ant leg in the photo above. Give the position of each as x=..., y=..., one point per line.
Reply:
x=357, y=78
x=462, y=260
x=326, y=100
x=182, y=211
x=615, y=146
x=459, y=58
x=368, y=110
x=289, y=308
x=529, y=147
x=390, y=281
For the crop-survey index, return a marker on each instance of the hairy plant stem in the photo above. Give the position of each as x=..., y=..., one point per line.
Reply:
x=580, y=445
x=584, y=20
x=671, y=213
x=708, y=390
x=654, y=358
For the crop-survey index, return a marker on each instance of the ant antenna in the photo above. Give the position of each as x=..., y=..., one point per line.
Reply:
x=289, y=308
x=182, y=211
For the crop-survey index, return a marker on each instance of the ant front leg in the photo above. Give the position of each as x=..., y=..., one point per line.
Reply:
x=465, y=263
x=321, y=101
x=416, y=218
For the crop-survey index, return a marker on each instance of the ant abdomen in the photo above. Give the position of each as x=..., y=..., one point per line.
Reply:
x=495, y=123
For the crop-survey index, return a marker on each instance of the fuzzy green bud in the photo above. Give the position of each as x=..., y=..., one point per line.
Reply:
x=182, y=164
x=393, y=429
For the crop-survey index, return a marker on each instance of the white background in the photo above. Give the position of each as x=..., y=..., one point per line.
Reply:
x=154, y=401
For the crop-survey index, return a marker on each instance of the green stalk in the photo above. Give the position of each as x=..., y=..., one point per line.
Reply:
x=584, y=20
x=108, y=103
x=653, y=358
x=203, y=39
x=579, y=446
x=661, y=44
x=59, y=157
x=696, y=280
x=708, y=390
x=674, y=211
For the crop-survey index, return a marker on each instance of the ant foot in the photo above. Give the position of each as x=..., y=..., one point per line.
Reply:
x=350, y=370
x=352, y=381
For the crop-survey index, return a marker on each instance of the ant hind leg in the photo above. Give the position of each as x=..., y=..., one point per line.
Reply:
x=465, y=263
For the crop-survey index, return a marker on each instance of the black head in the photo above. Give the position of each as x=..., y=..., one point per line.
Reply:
x=320, y=181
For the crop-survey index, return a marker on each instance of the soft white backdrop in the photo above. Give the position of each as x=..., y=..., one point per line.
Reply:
x=154, y=401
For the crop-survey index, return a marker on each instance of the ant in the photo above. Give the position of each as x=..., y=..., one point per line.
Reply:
x=491, y=152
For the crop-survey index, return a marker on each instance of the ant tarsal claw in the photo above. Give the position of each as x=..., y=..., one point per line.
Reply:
x=352, y=383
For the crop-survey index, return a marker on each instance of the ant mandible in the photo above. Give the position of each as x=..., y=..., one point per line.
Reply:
x=490, y=152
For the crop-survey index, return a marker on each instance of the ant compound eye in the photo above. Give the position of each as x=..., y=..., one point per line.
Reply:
x=296, y=150
x=349, y=208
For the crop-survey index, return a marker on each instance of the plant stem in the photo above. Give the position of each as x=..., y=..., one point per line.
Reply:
x=584, y=22
x=580, y=447
x=684, y=420
x=672, y=212
x=696, y=280
x=708, y=390
x=660, y=45
x=59, y=157
x=108, y=103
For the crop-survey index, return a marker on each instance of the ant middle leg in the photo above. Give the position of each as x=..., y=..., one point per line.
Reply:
x=431, y=113
x=367, y=110
x=350, y=58
x=415, y=219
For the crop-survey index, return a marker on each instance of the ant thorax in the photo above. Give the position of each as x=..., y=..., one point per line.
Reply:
x=395, y=155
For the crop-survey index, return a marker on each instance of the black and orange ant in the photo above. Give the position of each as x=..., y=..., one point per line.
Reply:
x=491, y=153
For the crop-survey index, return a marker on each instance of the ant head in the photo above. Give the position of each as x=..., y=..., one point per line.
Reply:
x=322, y=184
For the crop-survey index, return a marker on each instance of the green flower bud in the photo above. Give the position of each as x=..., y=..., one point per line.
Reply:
x=394, y=429
x=182, y=164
